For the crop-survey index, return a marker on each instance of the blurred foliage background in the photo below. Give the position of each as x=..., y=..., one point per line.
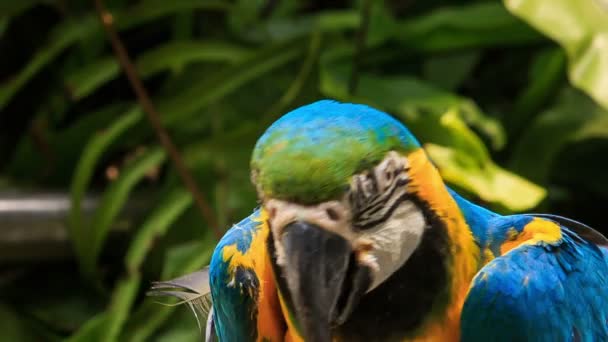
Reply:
x=509, y=98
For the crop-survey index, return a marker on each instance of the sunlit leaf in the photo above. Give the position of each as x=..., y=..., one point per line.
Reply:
x=581, y=28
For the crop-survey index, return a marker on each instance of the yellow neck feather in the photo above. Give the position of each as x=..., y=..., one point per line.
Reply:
x=427, y=185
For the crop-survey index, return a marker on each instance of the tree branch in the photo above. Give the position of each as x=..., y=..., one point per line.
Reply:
x=154, y=118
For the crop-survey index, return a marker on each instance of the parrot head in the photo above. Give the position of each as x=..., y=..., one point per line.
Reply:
x=334, y=182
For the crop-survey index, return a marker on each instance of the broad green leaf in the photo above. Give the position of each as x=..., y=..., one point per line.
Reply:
x=573, y=118
x=112, y=202
x=544, y=80
x=85, y=168
x=435, y=118
x=449, y=70
x=485, y=24
x=581, y=28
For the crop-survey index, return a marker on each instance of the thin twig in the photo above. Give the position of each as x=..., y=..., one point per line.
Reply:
x=366, y=9
x=154, y=118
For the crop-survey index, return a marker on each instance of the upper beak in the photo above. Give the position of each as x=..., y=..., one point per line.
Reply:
x=323, y=278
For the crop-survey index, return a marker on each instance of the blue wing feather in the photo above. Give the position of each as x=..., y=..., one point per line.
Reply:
x=234, y=288
x=541, y=292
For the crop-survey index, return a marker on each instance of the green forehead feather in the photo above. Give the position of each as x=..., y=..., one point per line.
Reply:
x=310, y=154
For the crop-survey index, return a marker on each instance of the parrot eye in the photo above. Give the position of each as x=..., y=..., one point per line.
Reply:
x=377, y=192
x=332, y=214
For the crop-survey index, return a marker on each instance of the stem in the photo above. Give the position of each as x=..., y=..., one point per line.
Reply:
x=154, y=118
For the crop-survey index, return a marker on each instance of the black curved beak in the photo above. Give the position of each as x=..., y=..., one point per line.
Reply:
x=322, y=277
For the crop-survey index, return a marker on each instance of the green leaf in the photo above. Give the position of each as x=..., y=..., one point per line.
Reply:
x=85, y=168
x=436, y=118
x=544, y=81
x=171, y=56
x=61, y=37
x=107, y=325
x=177, y=54
x=88, y=78
x=71, y=31
x=14, y=8
x=182, y=259
x=159, y=221
x=573, y=118
x=149, y=10
x=14, y=328
x=91, y=331
x=283, y=29
x=581, y=28
x=122, y=300
x=112, y=202
x=450, y=70
x=181, y=107
x=485, y=24
x=407, y=94
x=3, y=25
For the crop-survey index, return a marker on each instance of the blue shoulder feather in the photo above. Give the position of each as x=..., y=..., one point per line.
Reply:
x=542, y=292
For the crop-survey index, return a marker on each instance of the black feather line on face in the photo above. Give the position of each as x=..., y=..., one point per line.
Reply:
x=278, y=276
x=366, y=207
x=399, y=306
x=371, y=224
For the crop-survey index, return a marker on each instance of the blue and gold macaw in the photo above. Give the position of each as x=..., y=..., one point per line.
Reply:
x=359, y=239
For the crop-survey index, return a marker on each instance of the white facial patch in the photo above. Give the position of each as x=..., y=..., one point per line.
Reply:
x=394, y=241
x=377, y=216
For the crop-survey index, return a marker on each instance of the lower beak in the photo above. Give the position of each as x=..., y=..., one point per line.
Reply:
x=323, y=278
